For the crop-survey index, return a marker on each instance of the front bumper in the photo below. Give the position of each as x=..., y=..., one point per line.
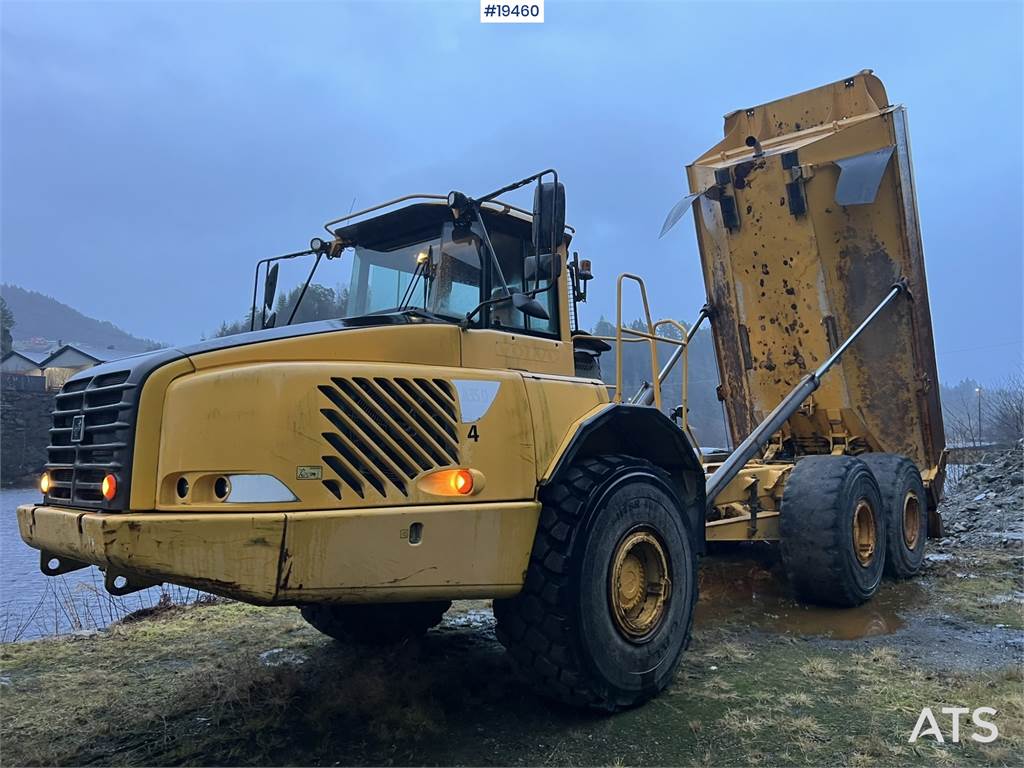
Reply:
x=366, y=555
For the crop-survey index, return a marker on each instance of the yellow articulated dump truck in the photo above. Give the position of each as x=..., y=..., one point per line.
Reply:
x=450, y=437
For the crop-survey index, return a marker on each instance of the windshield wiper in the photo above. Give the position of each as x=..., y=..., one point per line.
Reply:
x=425, y=314
x=422, y=266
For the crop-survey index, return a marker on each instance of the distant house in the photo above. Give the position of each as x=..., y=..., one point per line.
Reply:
x=72, y=358
x=23, y=363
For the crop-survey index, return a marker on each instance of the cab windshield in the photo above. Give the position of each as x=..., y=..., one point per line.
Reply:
x=437, y=274
x=446, y=271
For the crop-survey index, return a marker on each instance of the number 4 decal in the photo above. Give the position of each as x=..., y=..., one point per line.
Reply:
x=473, y=434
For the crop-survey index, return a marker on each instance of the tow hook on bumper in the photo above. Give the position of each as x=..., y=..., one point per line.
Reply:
x=54, y=565
x=121, y=584
x=117, y=584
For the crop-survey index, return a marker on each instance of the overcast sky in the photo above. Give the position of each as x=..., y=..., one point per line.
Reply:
x=151, y=153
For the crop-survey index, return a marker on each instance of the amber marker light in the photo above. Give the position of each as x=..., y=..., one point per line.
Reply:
x=44, y=482
x=109, y=487
x=452, y=482
x=461, y=481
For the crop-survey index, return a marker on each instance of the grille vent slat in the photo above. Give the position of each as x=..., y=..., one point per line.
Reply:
x=77, y=469
x=363, y=447
x=384, y=432
x=344, y=472
x=403, y=446
x=397, y=428
x=403, y=408
x=439, y=417
x=369, y=431
x=334, y=487
x=438, y=395
x=355, y=457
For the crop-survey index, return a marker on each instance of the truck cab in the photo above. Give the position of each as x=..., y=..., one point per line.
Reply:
x=390, y=438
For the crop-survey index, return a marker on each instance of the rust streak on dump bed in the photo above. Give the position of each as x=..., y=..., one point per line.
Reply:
x=794, y=260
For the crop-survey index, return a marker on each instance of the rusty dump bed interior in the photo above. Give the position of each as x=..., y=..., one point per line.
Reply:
x=807, y=217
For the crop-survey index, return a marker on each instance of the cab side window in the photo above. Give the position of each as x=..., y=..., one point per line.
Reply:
x=512, y=252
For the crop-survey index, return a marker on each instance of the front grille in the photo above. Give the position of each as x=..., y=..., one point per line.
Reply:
x=384, y=432
x=76, y=468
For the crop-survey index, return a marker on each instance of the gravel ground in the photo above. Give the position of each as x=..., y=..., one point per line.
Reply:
x=986, y=506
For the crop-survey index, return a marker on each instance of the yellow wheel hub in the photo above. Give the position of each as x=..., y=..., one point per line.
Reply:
x=911, y=520
x=639, y=586
x=864, y=538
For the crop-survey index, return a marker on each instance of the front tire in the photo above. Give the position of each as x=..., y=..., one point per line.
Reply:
x=374, y=624
x=607, y=606
x=833, y=532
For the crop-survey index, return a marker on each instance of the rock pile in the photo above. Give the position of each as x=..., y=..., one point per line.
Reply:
x=986, y=507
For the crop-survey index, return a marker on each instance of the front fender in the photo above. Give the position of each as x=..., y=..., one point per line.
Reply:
x=646, y=433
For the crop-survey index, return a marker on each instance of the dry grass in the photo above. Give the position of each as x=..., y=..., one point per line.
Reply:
x=174, y=704
x=820, y=668
x=730, y=651
x=795, y=699
x=984, y=586
x=187, y=687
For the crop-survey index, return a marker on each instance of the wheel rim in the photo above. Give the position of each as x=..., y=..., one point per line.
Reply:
x=911, y=520
x=639, y=587
x=864, y=538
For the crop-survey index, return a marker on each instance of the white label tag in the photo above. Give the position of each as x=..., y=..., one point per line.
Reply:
x=312, y=472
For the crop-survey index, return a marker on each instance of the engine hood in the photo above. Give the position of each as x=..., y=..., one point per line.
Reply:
x=143, y=364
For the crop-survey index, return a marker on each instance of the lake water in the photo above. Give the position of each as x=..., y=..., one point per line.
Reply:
x=33, y=605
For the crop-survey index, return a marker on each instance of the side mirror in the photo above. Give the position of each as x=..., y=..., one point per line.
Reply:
x=529, y=306
x=271, y=320
x=270, y=288
x=548, y=215
x=531, y=270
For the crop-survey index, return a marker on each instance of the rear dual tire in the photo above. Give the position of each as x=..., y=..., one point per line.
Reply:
x=833, y=531
x=906, y=510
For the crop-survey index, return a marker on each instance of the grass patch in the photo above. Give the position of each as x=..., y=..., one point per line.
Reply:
x=985, y=586
x=189, y=687
x=836, y=707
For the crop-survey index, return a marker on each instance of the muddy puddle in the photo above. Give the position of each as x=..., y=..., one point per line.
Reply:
x=756, y=595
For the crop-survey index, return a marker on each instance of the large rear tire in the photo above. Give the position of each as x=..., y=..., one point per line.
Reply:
x=906, y=512
x=607, y=605
x=376, y=624
x=833, y=530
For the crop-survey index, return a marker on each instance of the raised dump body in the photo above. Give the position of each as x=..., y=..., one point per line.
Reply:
x=806, y=219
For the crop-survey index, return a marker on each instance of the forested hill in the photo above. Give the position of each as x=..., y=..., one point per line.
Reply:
x=37, y=316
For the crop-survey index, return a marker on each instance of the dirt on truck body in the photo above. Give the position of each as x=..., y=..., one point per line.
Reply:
x=808, y=216
x=456, y=444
